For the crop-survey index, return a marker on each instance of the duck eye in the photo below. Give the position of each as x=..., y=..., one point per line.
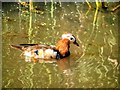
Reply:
x=71, y=38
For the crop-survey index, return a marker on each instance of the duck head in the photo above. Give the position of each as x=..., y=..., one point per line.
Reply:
x=63, y=44
x=71, y=38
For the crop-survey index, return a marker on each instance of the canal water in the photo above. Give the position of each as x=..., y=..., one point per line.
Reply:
x=92, y=65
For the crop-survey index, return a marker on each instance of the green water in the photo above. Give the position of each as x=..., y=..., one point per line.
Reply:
x=92, y=65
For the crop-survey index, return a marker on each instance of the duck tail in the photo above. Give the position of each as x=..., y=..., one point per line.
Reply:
x=17, y=47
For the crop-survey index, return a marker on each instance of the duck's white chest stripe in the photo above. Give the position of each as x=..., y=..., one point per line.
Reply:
x=41, y=53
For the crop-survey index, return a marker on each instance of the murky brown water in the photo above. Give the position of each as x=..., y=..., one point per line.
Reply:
x=98, y=66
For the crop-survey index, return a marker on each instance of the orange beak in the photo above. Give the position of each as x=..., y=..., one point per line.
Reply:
x=76, y=43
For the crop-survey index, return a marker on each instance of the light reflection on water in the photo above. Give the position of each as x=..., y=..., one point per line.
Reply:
x=96, y=68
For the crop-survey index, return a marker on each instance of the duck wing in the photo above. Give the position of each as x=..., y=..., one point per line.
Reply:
x=23, y=47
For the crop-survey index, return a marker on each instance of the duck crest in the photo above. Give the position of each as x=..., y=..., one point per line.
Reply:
x=63, y=46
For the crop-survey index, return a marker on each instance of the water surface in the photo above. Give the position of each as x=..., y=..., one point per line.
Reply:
x=92, y=65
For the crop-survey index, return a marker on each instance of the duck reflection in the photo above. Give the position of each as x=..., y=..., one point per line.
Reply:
x=63, y=64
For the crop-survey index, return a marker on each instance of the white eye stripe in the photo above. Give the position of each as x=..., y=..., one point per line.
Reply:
x=66, y=35
x=69, y=36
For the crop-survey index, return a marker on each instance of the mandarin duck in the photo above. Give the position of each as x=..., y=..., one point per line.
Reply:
x=39, y=51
